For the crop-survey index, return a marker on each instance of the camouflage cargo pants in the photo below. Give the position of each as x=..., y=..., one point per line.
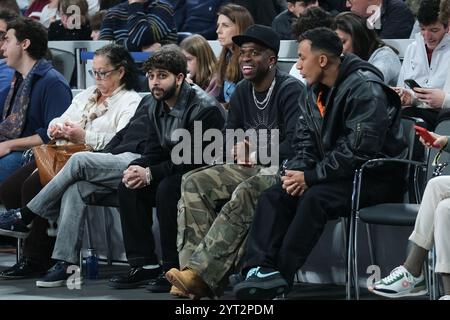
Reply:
x=214, y=216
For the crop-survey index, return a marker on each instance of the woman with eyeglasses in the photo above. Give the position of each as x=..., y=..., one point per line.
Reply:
x=94, y=117
x=232, y=20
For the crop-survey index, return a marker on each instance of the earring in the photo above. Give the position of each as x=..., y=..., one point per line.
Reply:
x=271, y=66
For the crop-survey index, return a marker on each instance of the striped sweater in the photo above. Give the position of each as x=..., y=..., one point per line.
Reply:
x=138, y=25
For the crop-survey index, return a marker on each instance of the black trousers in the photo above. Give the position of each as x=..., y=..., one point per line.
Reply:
x=136, y=219
x=15, y=192
x=285, y=229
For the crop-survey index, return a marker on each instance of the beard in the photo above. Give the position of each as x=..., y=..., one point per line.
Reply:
x=167, y=94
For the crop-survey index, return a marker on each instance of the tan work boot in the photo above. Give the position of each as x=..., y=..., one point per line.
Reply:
x=188, y=282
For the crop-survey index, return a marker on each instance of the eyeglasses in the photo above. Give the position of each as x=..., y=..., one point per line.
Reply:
x=100, y=74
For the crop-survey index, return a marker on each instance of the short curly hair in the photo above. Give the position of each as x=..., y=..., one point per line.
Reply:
x=311, y=18
x=26, y=28
x=169, y=58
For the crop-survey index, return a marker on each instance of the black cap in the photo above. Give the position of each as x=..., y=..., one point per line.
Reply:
x=259, y=34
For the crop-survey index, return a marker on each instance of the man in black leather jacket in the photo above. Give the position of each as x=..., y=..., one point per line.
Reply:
x=348, y=116
x=154, y=179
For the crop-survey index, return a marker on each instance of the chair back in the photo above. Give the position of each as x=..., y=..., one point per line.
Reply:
x=63, y=62
x=443, y=128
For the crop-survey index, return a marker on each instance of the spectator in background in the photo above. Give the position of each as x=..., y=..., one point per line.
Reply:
x=391, y=19
x=49, y=13
x=198, y=17
x=95, y=22
x=232, y=20
x=314, y=17
x=358, y=39
x=37, y=95
x=262, y=11
x=10, y=5
x=35, y=8
x=6, y=73
x=140, y=25
x=282, y=23
x=106, y=4
x=427, y=62
x=333, y=6
x=74, y=24
x=201, y=63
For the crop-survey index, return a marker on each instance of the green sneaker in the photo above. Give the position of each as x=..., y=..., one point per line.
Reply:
x=400, y=283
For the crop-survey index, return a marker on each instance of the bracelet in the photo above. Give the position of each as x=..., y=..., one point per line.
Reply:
x=148, y=175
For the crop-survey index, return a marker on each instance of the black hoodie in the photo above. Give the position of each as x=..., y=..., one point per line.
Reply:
x=361, y=122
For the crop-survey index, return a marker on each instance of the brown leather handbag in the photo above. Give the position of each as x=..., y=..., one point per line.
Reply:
x=50, y=158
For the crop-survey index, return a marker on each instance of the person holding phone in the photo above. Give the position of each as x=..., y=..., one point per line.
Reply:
x=431, y=228
x=427, y=62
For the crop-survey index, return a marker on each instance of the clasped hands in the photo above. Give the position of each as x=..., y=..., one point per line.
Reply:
x=294, y=182
x=71, y=131
x=135, y=177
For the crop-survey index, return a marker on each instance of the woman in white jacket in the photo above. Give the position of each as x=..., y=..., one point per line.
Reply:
x=93, y=118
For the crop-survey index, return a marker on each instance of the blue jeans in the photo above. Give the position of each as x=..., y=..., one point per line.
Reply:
x=9, y=164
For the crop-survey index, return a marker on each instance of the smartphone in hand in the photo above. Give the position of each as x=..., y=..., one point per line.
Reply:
x=425, y=134
x=412, y=84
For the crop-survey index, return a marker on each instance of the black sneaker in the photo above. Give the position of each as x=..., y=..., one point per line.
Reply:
x=25, y=268
x=57, y=276
x=261, y=283
x=11, y=224
x=159, y=285
x=135, y=277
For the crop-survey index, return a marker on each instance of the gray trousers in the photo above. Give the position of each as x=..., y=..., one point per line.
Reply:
x=62, y=198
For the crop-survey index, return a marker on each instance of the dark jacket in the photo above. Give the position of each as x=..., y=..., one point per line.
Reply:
x=361, y=122
x=397, y=20
x=282, y=24
x=193, y=104
x=138, y=25
x=263, y=11
x=57, y=32
x=198, y=16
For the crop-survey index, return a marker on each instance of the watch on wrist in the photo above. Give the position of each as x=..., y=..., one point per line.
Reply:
x=148, y=175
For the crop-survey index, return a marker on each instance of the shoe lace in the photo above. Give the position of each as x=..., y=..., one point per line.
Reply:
x=252, y=272
x=397, y=273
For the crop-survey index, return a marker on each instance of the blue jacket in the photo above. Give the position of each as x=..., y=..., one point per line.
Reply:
x=50, y=97
x=197, y=16
x=6, y=74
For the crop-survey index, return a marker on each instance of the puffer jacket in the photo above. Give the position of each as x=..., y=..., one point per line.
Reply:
x=361, y=122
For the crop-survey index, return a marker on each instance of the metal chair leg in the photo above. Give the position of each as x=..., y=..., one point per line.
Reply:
x=107, y=238
x=19, y=249
x=355, y=259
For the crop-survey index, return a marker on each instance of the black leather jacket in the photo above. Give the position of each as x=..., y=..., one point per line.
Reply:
x=361, y=122
x=193, y=104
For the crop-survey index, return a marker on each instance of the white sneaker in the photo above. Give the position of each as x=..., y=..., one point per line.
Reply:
x=400, y=283
x=446, y=297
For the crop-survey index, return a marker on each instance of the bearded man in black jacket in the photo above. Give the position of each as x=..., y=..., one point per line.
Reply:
x=347, y=116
